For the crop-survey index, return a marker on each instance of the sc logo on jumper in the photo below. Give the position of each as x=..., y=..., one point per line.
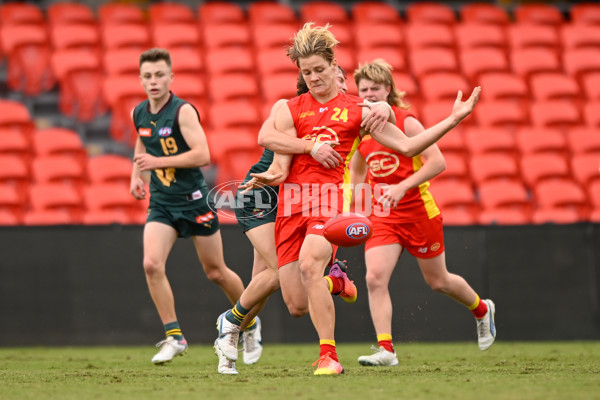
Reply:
x=382, y=163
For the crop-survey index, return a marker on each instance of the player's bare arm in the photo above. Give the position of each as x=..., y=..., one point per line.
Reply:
x=270, y=136
x=137, y=186
x=197, y=156
x=395, y=139
x=358, y=173
x=380, y=112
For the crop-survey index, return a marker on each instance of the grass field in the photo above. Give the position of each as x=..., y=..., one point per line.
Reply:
x=540, y=370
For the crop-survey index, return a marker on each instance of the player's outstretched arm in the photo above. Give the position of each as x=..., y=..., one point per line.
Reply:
x=278, y=134
x=395, y=139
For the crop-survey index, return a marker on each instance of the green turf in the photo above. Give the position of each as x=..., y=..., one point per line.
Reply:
x=509, y=370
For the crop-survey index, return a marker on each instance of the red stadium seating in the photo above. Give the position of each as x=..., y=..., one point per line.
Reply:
x=321, y=12
x=126, y=35
x=541, y=140
x=491, y=167
x=69, y=12
x=224, y=35
x=59, y=169
x=579, y=62
x=584, y=141
x=526, y=62
x=585, y=13
x=119, y=13
x=218, y=12
x=501, y=113
x=443, y=86
x=430, y=12
x=576, y=36
x=538, y=13
x=592, y=114
x=536, y=168
x=561, y=193
x=456, y=201
x=54, y=198
x=270, y=12
x=554, y=86
x=59, y=141
x=477, y=61
x=372, y=36
x=586, y=168
x=371, y=12
x=275, y=36
x=526, y=36
x=484, y=13
x=555, y=113
x=169, y=13
x=235, y=86
x=426, y=35
x=110, y=168
x=432, y=60
x=172, y=35
x=504, y=194
x=475, y=35
x=504, y=86
x=591, y=86
x=17, y=13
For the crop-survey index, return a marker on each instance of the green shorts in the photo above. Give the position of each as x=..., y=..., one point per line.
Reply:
x=259, y=207
x=201, y=221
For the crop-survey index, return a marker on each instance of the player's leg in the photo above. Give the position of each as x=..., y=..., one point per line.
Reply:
x=210, y=253
x=315, y=254
x=380, y=262
x=436, y=275
x=158, y=242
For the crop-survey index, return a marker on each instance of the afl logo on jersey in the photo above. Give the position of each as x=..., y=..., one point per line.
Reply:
x=166, y=131
x=382, y=163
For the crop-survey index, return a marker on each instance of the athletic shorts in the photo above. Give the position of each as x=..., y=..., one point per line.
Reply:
x=290, y=233
x=259, y=207
x=200, y=221
x=422, y=239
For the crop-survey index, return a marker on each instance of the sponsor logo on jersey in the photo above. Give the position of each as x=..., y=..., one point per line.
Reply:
x=382, y=163
x=435, y=246
x=305, y=114
x=145, y=132
x=318, y=226
x=322, y=109
x=322, y=134
x=205, y=217
x=165, y=131
x=422, y=250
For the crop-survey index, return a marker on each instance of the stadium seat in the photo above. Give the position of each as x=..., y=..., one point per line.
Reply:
x=504, y=86
x=433, y=112
x=427, y=35
x=11, y=202
x=347, y=59
x=576, y=36
x=405, y=83
x=272, y=36
x=7, y=218
x=584, y=141
x=456, y=201
x=50, y=217
x=235, y=86
x=234, y=114
x=428, y=61
x=484, y=13
x=559, y=216
x=394, y=57
x=15, y=173
x=430, y=12
x=172, y=35
x=59, y=169
x=526, y=62
x=443, y=86
x=373, y=36
x=110, y=168
x=591, y=111
x=106, y=217
x=585, y=13
x=554, y=86
x=80, y=75
x=170, y=13
x=322, y=11
x=561, y=193
x=69, y=12
x=585, y=168
x=501, y=114
x=187, y=61
x=220, y=61
x=371, y=12
x=126, y=35
x=121, y=61
x=55, y=197
x=453, y=142
x=15, y=117
x=504, y=194
x=122, y=94
x=475, y=35
x=555, y=113
x=477, y=61
x=15, y=143
x=488, y=167
x=504, y=216
x=532, y=140
x=59, y=141
x=278, y=86
x=28, y=53
x=538, y=13
x=75, y=36
x=536, y=168
x=21, y=13
x=594, y=195
x=111, y=197
x=119, y=13
x=274, y=61
x=225, y=35
x=270, y=12
x=591, y=86
x=579, y=62
x=526, y=36
x=220, y=12
x=456, y=168
x=190, y=87
x=234, y=150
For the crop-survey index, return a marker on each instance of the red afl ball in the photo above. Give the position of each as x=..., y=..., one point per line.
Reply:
x=348, y=229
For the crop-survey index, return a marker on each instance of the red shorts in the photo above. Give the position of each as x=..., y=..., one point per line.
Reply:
x=290, y=233
x=422, y=239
